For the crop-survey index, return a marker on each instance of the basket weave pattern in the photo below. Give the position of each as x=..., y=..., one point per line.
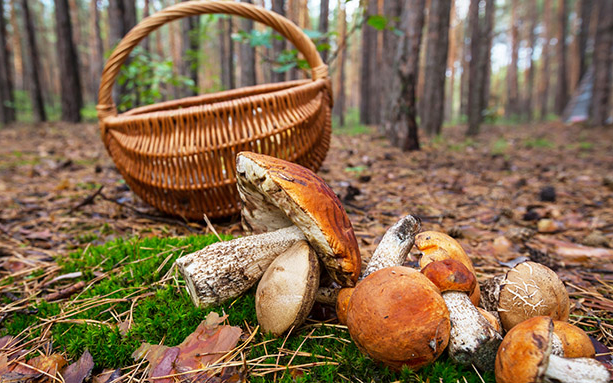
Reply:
x=179, y=156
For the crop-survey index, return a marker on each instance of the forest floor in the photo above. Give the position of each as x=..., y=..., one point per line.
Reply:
x=542, y=191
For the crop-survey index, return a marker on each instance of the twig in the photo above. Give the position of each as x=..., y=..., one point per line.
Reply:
x=90, y=199
x=210, y=226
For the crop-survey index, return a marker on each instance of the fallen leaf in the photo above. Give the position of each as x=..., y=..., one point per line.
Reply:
x=80, y=370
x=107, y=376
x=572, y=252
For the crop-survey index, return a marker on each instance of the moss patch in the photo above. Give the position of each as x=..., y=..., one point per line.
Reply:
x=135, y=295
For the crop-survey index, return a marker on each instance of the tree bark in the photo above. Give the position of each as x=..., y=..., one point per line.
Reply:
x=247, y=54
x=146, y=43
x=585, y=15
x=34, y=65
x=17, y=47
x=96, y=48
x=324, y=6
x=467, y=27
x=475, y=82
x=402, y=127
x=436, y=66
x=369, y=113
x=485, y=59
x=191, y=44
x=278, y=45
x=226, y=53
x=562, y=87
x=512, y=87
x=392, y=11
x=531, y=17
x=602, y=63
x=129, y=16
x=72, y=100
x=453, y=49
x=339, y=104
x=7, y=101
x=544, y=88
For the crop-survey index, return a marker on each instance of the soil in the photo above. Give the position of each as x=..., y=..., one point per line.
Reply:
x=543, y=192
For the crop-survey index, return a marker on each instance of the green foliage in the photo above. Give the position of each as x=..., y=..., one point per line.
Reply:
x=145, y=77
x=379, y=22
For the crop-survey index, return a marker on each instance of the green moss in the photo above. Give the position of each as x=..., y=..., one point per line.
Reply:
x=132, y=278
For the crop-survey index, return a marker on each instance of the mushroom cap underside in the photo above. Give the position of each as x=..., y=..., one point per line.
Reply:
x=277, y=193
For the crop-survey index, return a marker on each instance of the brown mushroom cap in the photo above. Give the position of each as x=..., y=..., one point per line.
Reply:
x=531, y=289
x=450, y=275
x=277, y=194
x=575, y=342
x=524, y=352
x=342, y=303
x=397, y=316
x=492, y=319
x=437, y=246
x=286, y=292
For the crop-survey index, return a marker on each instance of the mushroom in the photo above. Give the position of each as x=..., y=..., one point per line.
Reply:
x=525, y=356
x=285, y=203
x=493, y=318
x=398, y=317
x=436, y=246
x=472, y=339
x=286, y=292
x=527, y=290
x=573, y=341
x=391, y=251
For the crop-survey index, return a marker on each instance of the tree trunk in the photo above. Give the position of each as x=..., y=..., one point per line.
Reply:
x=129, y=16
x=392, y=11
x=323, y=26
x=485, y=59
x=247, y=54
x=97, y=50
x=34, y=65
x=18, y=52
x=7, y=101
x=191, y=44
x=512, y=87
x=436, y=65
x=531, y=17
x=226, y=53
x=602, y=63
x=368, y=77
x=562, y=88
x=72, y=100
x=146, y=43
x=278, y=45
x=402, y=125
x=339, y=104
x=584, y=33
x=475, y=82
x=544, y=88
x=453, y=48
x=467, y=28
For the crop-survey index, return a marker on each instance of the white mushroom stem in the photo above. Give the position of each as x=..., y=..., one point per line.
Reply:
x=576, y=370
x=394, y=246
x=225, y=270
x=472, y=339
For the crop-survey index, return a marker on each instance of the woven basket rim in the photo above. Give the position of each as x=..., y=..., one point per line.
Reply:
x=237, y=99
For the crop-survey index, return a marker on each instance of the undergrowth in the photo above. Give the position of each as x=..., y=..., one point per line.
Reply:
x=135, y=295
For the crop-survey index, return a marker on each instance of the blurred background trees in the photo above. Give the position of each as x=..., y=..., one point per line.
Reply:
x=397, y=64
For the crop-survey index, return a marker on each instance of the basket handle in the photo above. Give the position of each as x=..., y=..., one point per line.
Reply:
x=285, y=27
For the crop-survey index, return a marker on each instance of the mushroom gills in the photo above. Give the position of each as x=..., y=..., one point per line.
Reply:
x=286, y=293
x=225, y=270
x=472, y=339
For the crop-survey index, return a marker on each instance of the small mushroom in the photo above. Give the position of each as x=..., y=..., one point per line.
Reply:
x=472, y=339
x=437, y=246
x=575, y=343
x=527, y=290
x=398, y=317
x=284, y=203
x=286, y=292
x=525, y=356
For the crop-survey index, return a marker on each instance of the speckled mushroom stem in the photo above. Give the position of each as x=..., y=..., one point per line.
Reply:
x=472, y=339
x=225, y=270
x=394, y=246
x=576, y=370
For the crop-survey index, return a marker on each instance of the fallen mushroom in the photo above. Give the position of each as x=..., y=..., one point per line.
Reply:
x=525, y=356
x=286, y=292
x=398, y=317
x=295, y=204
x=472, y=339
x=437, y=246
x=277, y=194
x=527, y=290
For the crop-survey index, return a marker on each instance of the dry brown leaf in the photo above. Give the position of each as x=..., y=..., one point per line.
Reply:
x=80, y=370
x=572, y=252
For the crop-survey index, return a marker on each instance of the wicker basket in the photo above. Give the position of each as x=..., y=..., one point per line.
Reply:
x=179, y=156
